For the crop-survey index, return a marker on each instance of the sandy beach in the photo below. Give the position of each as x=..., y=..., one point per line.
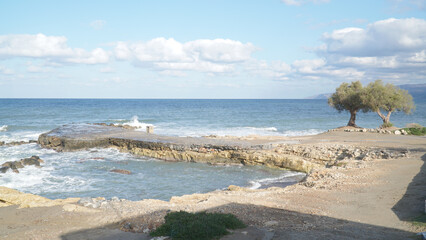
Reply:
x=365, y=199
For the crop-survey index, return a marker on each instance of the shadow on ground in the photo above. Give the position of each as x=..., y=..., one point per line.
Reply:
x=283, y=224
x=412, y=203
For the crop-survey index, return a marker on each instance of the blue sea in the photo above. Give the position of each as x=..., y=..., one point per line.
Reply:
x=87, y=173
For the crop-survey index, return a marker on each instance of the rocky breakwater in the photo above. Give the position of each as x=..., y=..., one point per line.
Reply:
x=297, y=157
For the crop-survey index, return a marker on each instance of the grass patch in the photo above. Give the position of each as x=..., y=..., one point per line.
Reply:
x=416, y=131
x=202, y=225
x=419, y=221
x=387, y=125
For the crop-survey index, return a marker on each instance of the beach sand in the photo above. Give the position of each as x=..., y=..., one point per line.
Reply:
x=365, y=200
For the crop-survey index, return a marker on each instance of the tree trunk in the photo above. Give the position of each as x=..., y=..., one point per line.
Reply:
x=352, y=119
x=383, y=117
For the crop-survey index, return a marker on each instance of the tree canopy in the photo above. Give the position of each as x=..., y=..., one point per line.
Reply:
x=376, y=97
x=379, y=97
x=348, y=97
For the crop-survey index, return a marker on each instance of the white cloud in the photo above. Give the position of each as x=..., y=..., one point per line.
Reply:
x=98, y=24
x=300, y=2
x=52, y=48
x=203, y=55
x=98, y=55
x=382, y=38
x=391, y=49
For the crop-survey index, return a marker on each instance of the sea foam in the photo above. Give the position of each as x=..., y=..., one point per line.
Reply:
x=134, y=122
x=3, y=128
x=285, y=178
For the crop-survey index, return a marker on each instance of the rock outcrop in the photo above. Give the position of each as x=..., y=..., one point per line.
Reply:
x=121, y=171
x=297, y=157
x=15, y=165
x=16, y=143
x=10, y=197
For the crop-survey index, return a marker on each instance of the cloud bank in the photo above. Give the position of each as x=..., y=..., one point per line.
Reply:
x=390, y=49
x=52, y=48
x=203, y=55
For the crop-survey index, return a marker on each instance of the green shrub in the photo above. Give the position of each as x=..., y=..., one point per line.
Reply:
x=419, y=221
x=202, y=225
x=386, y=125
x=416, y=131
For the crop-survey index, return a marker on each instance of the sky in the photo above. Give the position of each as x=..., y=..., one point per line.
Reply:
x=284, y=49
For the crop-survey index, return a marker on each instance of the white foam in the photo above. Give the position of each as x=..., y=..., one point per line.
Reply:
x=3, y=128
x=199, y=132
x=287, y=177
x=291, y=133
x=134, y=122
x=19, y=136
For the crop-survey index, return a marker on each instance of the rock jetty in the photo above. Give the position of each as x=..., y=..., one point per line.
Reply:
x=281, y=154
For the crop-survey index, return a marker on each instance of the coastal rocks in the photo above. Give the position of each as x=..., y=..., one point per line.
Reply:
x=339, y=152
x=121, y=171
x=16, y=143
x=323, y=179
x=297, y=157
x=99, y=202
x=15, y=165
x=392, y=130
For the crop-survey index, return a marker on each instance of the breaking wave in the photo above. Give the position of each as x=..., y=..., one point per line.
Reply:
x=134, y=122
x=3, y=128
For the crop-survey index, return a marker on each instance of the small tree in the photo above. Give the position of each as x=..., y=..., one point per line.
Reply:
x=388, y=98
x=348, y=98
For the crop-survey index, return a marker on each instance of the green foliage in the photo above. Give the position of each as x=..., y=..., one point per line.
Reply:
x=387, y=125
x=348, y=97
x=416, y=131
x=188, y=226
x=389, y=98
x=419, y=221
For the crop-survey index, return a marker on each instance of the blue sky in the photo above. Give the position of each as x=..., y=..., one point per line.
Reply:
x=207, y=49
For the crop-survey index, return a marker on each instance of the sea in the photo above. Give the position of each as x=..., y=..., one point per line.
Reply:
x=87, y=173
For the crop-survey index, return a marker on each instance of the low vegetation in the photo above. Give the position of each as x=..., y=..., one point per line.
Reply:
x=416, y=131
x=419, y=221
x=202, y=225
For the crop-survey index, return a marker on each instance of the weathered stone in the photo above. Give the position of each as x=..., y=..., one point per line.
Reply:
x=34, y=160
x=122, y=171
x=397, y=132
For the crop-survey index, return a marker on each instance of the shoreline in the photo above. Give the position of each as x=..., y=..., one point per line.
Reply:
x=354, y=200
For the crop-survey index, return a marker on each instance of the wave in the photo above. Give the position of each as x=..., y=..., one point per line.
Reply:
x=235, y=131
x=291, y=133
x=134, y=122
x=3, y=128
x=19, y=136
x=281, y=180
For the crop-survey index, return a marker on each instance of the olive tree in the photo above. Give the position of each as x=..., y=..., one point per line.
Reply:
x=348, y=97
x=389, y=98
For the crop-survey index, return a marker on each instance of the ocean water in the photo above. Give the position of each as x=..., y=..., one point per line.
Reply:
x=87, y=173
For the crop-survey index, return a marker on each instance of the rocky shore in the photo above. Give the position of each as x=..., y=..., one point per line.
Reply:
x=279, y=153
x=360, y=185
